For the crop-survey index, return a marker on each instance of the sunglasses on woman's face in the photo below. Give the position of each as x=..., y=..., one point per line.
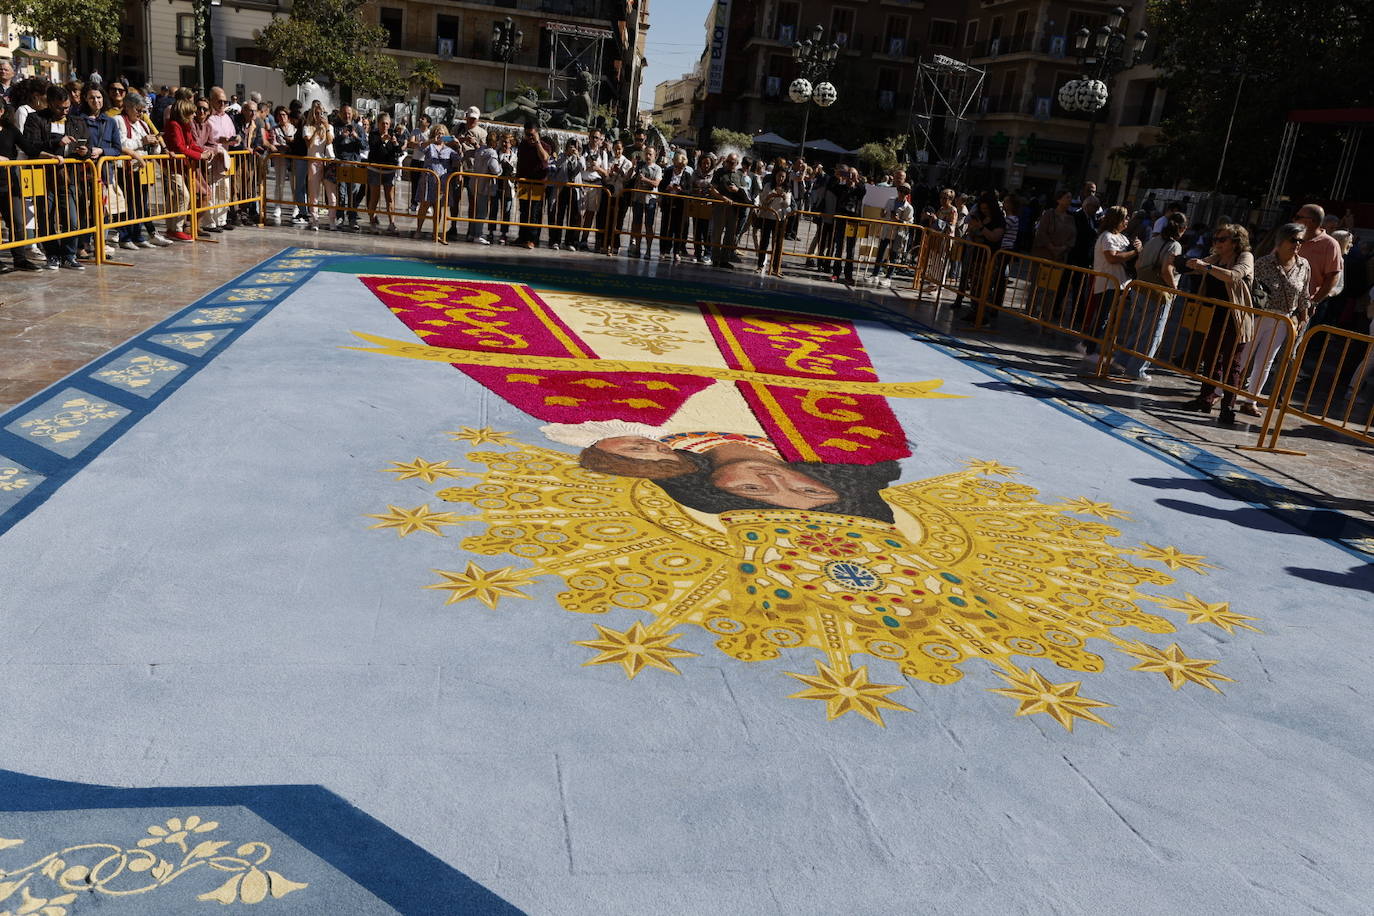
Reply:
x=198, y=108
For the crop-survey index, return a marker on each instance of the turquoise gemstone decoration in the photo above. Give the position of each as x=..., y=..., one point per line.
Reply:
x=957, y=601
x=891, y=621
x=951, y=577
x=747, y=567
x=782, y=593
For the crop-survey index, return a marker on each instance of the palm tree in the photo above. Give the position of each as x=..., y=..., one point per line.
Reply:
x=424, y=77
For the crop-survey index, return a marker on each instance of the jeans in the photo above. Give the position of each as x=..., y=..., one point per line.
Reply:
x=531, y=211
x=722, y=234
x=300, y=188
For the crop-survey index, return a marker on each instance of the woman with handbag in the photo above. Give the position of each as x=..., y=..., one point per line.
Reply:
x=186, y=169
x=1285, y=277
x=1227, y=274
x=699, y=209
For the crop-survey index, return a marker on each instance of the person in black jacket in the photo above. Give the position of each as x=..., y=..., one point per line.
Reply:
x=55, y=135
x=849, y=191
x=13, y=146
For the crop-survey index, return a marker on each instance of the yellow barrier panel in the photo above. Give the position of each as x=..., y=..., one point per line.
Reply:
x=233, y=179
x=50, y=201
x=1061, y=297
x=1322, y=384
x=139, y=191
x=307, y=184
x=1225, y=347
x=561, y=208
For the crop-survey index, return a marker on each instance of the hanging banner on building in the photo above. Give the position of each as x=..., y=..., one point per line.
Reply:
x=720, y=31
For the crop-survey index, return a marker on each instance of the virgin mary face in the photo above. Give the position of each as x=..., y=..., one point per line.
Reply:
x=773, y=483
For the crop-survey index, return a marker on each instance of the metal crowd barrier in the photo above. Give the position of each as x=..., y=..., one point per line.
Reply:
x=1075, y=301
x=236, y=181
x=1188, y=335
x=306, y=184
x=49, y=200
x=1322, y=384
x=557, y=207
x=141, y=191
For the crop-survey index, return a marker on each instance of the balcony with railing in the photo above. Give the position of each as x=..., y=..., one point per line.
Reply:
x=1022, y=43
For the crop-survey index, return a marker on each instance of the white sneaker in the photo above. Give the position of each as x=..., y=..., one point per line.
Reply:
x=128, y=246
x=885, y=282
x=159, y=241
x=1143, y=375
x=141, y=243
x=1080, y=349
x=482, y=240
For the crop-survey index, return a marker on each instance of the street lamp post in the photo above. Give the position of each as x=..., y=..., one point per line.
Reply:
x=506, y=41
x=1101, y=55
x=202, y=39
x=815, y=59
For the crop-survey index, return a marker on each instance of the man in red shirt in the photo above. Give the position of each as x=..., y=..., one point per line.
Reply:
x=1323, y=255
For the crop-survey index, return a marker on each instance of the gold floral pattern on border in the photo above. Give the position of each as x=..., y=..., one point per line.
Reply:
x=117, y=870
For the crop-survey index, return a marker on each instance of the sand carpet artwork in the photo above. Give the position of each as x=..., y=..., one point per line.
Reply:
x=364, y=584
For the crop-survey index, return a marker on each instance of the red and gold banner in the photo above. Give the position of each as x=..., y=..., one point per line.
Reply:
x=491, y=317
x=808, y=424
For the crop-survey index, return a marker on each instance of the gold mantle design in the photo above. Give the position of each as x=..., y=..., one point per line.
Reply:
x=973, y=568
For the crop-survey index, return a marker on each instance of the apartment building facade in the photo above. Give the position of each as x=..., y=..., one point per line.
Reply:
x=457, y=36
x=675, y=104
x=1020, y=137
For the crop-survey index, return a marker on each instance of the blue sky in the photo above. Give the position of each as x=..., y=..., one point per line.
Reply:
x=676, y=37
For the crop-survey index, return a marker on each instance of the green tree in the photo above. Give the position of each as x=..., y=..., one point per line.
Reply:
x=1262, y=62
x=333, y=43
x=95, y=23
x=882, y=155
x=423, y=79
x=721, y=138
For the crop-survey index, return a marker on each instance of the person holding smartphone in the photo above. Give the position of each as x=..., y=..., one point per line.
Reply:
x=56, y=135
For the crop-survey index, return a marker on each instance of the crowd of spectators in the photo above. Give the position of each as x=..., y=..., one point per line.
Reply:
x=625, y=196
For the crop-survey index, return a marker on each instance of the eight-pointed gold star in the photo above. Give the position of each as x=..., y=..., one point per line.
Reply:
x=1060, y=702
x=487, y=586
x=634, y=649
x=1173, y=664
x=480, y=435
x=1199, y=611
x=428, y=471
x=988, y=468
x=1172, y=557
x=409, y=521
x=847, y=691
x=1084, y=506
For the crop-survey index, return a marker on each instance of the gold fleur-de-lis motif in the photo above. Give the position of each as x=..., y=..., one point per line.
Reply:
x=11, y=479
x=62, y=425
x=224, y=315
x=139, y=372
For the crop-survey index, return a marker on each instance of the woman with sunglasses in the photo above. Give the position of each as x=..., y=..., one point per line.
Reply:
x=1227, y=274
